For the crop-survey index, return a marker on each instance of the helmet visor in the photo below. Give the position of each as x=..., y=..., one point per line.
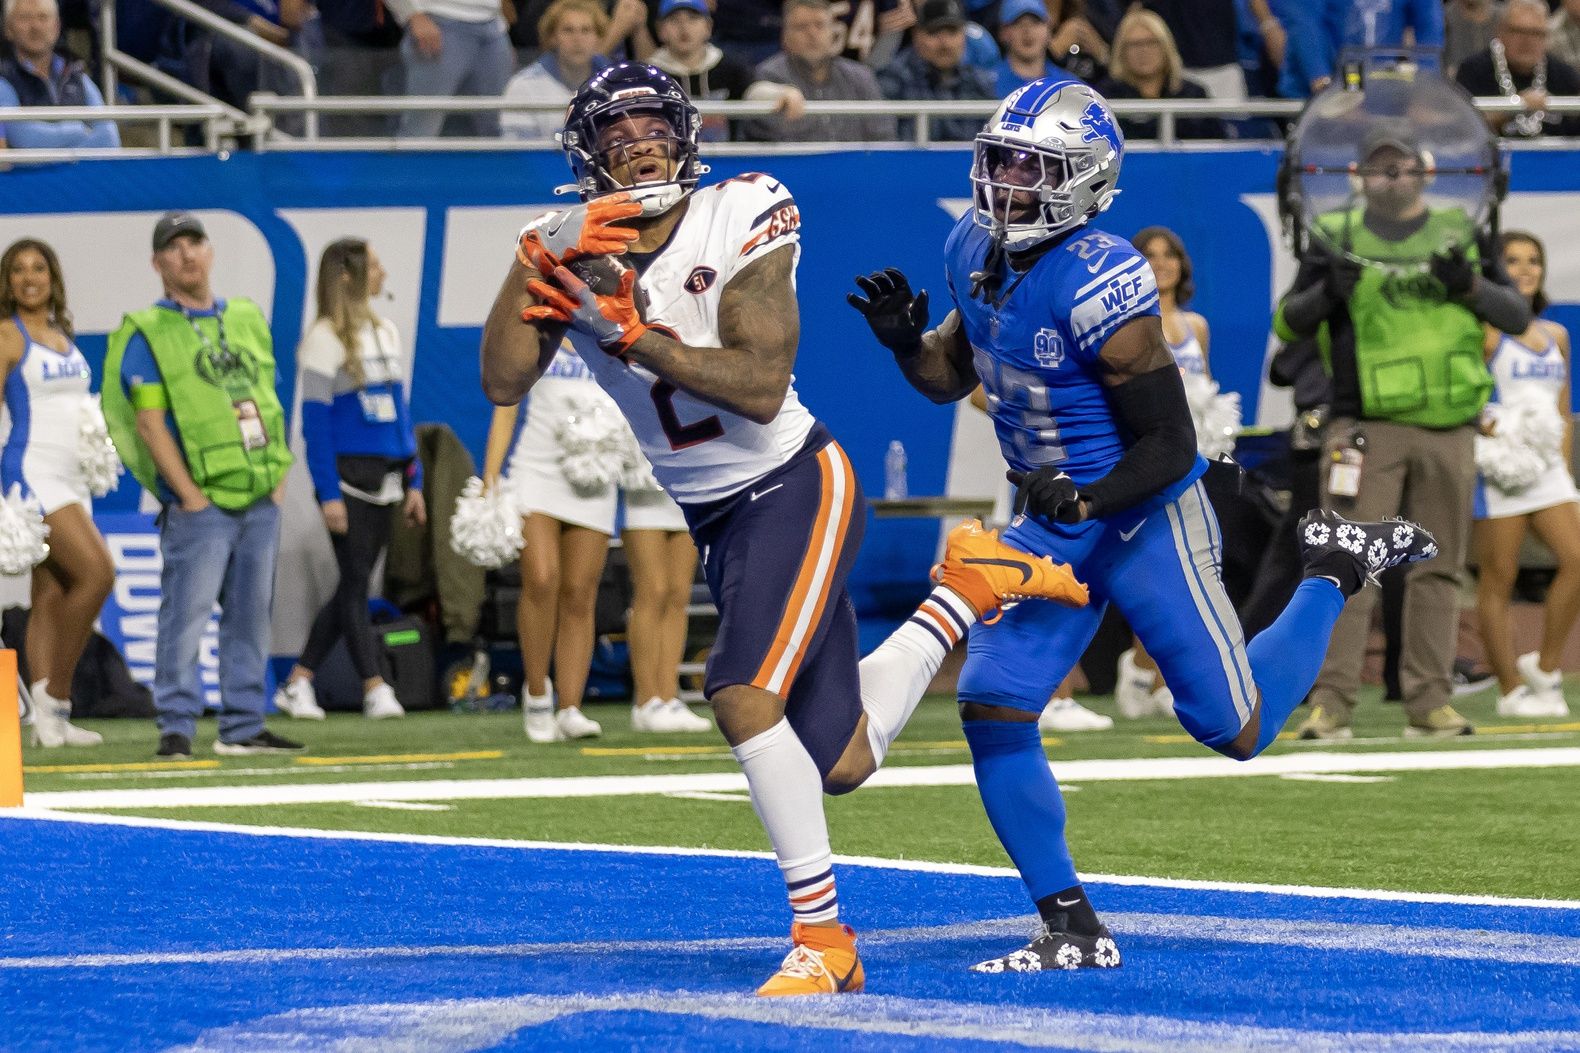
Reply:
x=1015, y=181
x=639, y=143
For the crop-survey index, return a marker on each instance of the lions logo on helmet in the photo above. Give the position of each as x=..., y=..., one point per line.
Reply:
x=625, y=92
x=1046, y=162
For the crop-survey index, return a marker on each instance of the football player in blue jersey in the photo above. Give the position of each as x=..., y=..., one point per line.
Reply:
x=1060, y=324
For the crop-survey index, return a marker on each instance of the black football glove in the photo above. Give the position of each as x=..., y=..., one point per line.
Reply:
x=1455, y=271
x=1046, y=492
x=898, y=318
x=1342, y=277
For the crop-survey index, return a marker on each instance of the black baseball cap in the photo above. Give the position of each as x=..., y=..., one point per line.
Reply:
x=941, y=14
x=173, y=225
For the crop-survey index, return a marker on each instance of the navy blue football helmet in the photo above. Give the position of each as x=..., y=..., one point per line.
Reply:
x=627, y=90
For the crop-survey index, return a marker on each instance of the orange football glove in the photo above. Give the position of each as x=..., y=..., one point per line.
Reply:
x=612, y=320
x=585, y=230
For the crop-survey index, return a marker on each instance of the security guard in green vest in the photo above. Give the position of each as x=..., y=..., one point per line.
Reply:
x=1403, y=339
x=190, y=401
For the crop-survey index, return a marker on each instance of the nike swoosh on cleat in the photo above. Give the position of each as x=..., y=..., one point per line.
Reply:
x=845, y=980
x=1025, y=571
x=1126, y=537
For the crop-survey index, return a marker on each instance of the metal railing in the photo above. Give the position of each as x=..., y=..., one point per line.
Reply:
x=118, y=61
x=214, y=119
x=267, y=107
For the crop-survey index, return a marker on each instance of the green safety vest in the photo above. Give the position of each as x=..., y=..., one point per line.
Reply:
x=208, y=390
x=1418, y=356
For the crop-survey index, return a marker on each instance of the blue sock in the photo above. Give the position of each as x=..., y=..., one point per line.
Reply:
x=1022, y=801
x=1287, y=655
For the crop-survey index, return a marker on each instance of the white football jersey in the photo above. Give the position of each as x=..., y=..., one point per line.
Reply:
x=699, y=451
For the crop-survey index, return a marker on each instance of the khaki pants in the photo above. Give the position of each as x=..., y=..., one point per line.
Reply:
x=1429, y=477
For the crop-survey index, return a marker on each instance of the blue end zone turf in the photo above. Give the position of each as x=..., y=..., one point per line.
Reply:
x=149, y=939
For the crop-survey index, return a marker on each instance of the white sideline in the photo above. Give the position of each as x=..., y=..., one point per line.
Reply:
x=1081, y=771
x=919, y=865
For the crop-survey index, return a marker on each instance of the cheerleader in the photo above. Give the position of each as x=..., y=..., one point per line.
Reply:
x=46, y=401
x=557, y=445
x=1531, y=367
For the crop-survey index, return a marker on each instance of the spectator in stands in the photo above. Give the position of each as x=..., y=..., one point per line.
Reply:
x=1321, y=30
x=933, y=67
x=453, y=47
x=707, y=73
x=354, y=48
x=34, y=73
x=1564, y=40
x=190, y=401
x=571, y=31
x=1024, y=33
x=362, y=453
x=46, y=380
x=1204, y=32
x=871, y=31
x=1516, y=63
x=1469, y=26
x=1146, y=65
x=811, y=64
x=1079, y=44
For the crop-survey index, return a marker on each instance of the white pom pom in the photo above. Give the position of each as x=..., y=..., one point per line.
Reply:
x=101, y=464
x=1526, y=440
x=486, y=527
x=1217, y=416
x=22, y=533
x=592, y=448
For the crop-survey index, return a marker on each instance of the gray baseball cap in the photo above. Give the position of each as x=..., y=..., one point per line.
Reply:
x=173, y=225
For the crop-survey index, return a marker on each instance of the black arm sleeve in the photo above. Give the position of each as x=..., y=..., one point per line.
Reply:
x=1306, y=305
x=1152, y=407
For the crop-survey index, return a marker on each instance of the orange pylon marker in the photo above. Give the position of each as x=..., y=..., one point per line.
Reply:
x=10, y=734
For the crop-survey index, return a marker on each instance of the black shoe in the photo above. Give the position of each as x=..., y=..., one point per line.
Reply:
x=1050, y=949
x=1470, y=678
x=1331, y=545
x=174, y=746
x=264, y=741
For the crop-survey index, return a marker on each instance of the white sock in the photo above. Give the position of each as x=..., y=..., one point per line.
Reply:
x=896, y=675
x=787, y=794
x=40, y=695
x=537, y=703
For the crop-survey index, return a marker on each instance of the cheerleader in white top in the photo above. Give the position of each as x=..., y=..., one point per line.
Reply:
x=1532, y=377
x=47, y=400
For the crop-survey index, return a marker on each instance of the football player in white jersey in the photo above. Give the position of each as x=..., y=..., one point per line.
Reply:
x=696, y=340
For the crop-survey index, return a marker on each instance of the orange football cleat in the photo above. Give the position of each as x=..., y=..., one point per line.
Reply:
x=987, y=573
x=824, y=961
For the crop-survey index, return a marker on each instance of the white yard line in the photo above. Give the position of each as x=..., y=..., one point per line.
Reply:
x=922, y=866
x=1081, y=771
x=1403, y=940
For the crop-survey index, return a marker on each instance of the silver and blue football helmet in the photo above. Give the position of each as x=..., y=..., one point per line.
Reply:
x=622, y=90
x=1055, y=139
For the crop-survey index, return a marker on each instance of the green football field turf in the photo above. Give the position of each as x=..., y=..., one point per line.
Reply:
x=1501, y=831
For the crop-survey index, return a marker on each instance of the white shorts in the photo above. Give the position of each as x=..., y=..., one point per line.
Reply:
x=533, y=470
x=652, y=510
x=54, y=474
x=1556, y=486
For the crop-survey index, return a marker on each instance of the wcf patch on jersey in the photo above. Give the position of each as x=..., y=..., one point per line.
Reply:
x=1048, y=348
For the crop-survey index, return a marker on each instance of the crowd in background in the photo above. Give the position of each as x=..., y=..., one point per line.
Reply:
x=787, y=52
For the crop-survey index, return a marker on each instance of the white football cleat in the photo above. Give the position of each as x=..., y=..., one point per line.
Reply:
x=381, y=704
x=574, y=724
x=297, y=700
x=1066, y=714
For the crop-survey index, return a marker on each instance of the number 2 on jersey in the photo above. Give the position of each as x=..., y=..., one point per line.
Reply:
x=1019, y=401
x=680, y=435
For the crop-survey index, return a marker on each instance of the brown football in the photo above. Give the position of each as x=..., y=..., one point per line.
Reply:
x=602, y=275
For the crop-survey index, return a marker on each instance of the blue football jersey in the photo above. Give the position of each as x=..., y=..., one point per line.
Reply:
x=1036, y=351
